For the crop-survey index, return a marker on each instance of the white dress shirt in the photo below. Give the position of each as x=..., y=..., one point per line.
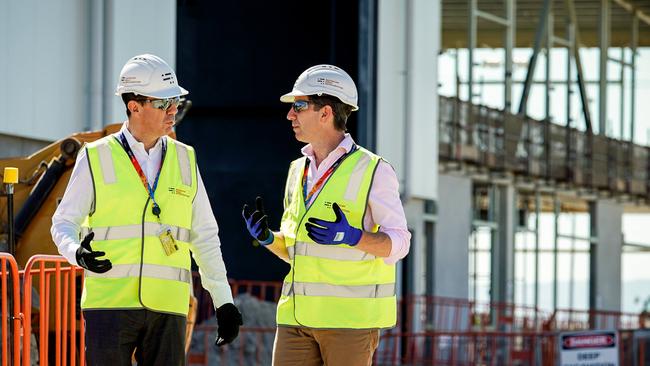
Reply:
x=204, y=237
x=384, y=205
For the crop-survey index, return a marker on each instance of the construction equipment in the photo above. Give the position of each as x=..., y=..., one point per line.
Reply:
x=42, y=180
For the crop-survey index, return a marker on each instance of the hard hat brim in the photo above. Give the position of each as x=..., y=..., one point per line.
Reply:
x=172, y=92
x=291, y=97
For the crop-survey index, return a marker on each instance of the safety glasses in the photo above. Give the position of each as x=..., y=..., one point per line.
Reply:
x=300, y=105
x=163, y=104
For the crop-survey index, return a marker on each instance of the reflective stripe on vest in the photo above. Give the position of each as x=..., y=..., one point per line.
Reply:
x=108, y=170
x=106, y=161
x=148, y=270
x=324, y=289
x=354, y=184
x=291, y=181
x=184, y=165
x=328, y=252
x=135, y=231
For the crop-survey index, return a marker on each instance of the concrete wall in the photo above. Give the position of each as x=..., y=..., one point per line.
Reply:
x=61, y=60
x=43, y=67
x=408, y=42
x=16, y=146
x=453, y=229
x=606, y=276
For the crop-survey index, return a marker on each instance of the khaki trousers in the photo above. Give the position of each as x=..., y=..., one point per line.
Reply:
x=330, y=347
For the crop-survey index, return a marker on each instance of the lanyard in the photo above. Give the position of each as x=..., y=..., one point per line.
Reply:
x=125, y=144
x=323, y=178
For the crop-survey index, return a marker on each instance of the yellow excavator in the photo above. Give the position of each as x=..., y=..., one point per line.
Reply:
x=43, y=177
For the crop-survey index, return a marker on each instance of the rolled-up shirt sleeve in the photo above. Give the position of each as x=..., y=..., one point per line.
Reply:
x=386, y=210
x=206, y=248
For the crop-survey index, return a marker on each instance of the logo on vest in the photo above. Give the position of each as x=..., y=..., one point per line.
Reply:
x=178, y=191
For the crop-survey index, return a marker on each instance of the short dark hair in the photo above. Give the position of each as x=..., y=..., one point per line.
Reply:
x=126, y=98
x=341, y=110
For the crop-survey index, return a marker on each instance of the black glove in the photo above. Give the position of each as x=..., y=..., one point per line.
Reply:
x=87, y=259
x=257, y=222
x=228, y=321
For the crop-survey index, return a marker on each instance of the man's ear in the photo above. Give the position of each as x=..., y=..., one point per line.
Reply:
x=326, y=112
x=133, y=106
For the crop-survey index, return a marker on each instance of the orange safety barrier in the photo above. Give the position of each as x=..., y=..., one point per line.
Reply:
x=53, y=274
x=467, y=348
x=450, y=314
x=10, y=299
x=571, y=319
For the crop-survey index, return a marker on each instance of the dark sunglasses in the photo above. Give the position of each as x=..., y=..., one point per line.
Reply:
x=163, y=104
x=300, y=105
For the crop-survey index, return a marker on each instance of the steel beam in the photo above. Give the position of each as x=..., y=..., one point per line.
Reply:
x=532, y=63
x=580, y=75
x=632, y=9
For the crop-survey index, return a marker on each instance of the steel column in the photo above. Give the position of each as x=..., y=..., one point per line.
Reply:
x=471, y=44
x=635, y=43
x=367, y=79
x=602, y=85
x=549, y=47
x=509, y=46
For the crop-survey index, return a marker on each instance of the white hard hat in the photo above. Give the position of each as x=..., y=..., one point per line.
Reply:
x=324, y=79
x=149, y=75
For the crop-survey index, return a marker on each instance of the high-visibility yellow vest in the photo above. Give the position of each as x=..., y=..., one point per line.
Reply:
x=334, y=286
x=143, y=276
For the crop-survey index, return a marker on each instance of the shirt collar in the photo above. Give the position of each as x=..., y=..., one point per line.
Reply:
x=135, y=144
x=343, y=148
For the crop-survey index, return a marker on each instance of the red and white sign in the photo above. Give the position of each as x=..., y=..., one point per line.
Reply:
x=589, y=348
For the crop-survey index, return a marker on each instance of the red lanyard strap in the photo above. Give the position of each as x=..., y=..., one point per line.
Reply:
x=316, y=187
x=151, y=190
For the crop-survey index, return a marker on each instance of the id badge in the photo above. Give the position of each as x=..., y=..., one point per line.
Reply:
x=167, y=240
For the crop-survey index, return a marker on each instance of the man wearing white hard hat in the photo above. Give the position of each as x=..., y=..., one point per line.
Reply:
x=137, y=199
x=342, y=231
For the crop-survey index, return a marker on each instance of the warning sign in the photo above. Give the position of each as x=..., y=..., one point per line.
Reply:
x=590, y=348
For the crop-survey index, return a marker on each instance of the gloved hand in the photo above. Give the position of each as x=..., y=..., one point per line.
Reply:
x=257, y=222
x=228, y=321
x=87, y=258
x=338, y=231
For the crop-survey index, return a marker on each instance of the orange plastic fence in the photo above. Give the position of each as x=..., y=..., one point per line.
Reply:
x=10, y=310
x=53, y=275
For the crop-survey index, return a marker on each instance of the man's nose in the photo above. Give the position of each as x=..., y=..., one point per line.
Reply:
x=292, y=114
x=173, y=109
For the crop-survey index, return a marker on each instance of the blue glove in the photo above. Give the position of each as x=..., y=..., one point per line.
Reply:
x=257, y=222
x=337, y=232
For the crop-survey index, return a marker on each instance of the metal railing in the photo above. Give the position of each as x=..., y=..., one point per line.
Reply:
x=502, y=142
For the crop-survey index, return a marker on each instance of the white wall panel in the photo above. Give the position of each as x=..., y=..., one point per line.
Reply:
x=408, y=42
x=42, y=67
x=133, y=28
x=45, y=60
